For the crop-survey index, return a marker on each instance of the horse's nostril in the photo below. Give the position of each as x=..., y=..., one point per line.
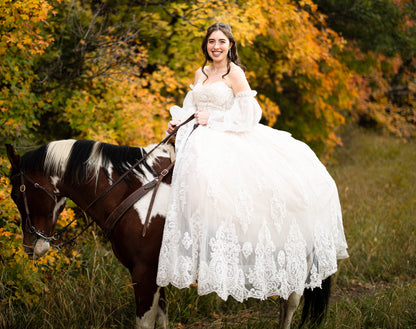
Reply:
x=28, y=250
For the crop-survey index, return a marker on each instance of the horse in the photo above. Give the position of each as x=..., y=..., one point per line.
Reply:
x=103, y=180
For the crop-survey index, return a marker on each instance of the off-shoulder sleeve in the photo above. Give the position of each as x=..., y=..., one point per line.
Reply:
x=244, y=114
x=188, y=108
x=181, y=114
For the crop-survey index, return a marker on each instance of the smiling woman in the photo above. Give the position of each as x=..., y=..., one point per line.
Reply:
x=218, y=46
x=253, y=213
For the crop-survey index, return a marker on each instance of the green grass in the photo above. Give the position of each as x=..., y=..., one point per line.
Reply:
x=374, y=288
x=97, y=295
x=376, y=178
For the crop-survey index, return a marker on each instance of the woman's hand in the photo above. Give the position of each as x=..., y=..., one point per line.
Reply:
x=171, y=125
x=202, y=117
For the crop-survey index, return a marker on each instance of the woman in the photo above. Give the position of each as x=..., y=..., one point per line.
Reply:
x=253, y=212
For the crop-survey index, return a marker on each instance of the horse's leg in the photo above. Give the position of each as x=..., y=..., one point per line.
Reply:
x=162, y=318
x=287, y=309
x=147, y=295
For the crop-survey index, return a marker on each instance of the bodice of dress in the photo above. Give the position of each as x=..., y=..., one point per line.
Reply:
x=228, y=112
x=214, y=97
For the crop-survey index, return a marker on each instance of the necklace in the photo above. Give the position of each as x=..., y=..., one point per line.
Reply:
x=221, y=71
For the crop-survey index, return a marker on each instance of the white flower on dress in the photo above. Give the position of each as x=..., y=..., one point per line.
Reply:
x=186, y=240
x=244, y=209
x=277, y=210
x=247, y=249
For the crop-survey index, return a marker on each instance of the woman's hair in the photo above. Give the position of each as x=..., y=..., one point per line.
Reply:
x=232, y=55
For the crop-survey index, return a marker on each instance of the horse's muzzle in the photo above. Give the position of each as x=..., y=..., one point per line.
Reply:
x=41, y=248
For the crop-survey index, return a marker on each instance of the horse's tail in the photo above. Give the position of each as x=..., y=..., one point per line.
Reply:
x=316, y=304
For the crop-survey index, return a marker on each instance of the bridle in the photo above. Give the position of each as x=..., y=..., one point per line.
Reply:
x=55, y=195
x=29, y=225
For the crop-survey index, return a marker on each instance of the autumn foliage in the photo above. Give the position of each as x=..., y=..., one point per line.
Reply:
x=110, y=70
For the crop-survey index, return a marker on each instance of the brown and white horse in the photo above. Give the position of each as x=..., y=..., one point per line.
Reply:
x=84, y=171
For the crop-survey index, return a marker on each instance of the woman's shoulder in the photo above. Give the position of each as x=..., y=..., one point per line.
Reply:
x=198, y=75
x=238, y=79
x=236, y=72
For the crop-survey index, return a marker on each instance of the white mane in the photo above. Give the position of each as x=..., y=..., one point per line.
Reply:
x=57, y=156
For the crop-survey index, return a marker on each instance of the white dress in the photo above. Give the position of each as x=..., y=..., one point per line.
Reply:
x=252, y=211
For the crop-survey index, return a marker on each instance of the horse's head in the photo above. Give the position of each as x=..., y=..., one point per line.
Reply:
x=37, y=199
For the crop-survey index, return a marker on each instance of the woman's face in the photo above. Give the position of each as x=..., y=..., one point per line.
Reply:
x=218, y=46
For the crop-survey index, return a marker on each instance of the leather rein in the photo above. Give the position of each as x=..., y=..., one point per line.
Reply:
x=118, y=212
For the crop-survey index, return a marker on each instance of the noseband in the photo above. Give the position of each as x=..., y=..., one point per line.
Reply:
x=29, y=225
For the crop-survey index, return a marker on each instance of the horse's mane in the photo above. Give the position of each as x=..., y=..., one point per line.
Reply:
x=77, y=161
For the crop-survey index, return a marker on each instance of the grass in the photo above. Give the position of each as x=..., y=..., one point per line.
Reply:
x=376, y=178
x=374, y=288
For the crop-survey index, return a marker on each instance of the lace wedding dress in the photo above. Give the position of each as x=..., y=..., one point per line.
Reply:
x=252, y=212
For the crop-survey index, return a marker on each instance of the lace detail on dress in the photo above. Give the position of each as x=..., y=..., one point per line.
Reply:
x=244, y=209
x=252, y=211
x=263, y=273
x=277, y=209
x=325, y=251
x=296, y=261
x=247, y=249
x=222, y=273
x=212, y=97
x=186, y=241
x=214, y=191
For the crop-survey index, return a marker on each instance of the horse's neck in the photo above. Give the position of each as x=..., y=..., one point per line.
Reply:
x=90, y=197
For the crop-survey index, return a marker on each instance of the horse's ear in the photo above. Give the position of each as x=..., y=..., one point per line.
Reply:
x=14, y=158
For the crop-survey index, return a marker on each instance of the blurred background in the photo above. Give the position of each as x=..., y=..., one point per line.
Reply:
x=339, y=75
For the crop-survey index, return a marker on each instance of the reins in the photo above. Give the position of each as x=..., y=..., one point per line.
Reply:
x=117, y=213
x=165, y=140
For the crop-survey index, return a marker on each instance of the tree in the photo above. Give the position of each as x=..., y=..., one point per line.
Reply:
x=22, y=41
x=297, y=68
x=381, y=50
x=115, y=67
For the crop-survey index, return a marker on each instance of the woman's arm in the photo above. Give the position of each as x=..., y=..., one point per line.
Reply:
x=198, y=74
x=245, y=112
x=178, y=113
x=238, y=79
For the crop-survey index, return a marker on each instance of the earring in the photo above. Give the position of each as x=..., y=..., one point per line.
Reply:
x=229, y=53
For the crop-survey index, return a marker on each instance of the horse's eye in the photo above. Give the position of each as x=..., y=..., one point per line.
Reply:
x=14, y=194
